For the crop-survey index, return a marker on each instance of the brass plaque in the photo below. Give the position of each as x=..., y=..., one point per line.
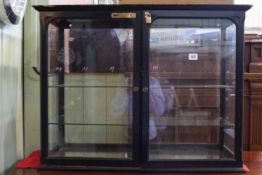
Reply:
x=123, y=15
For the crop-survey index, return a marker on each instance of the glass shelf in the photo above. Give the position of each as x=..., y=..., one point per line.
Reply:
x=86, y=124
x=86, y=86
x=193, y=86
x=162, y=86
x=168, y=122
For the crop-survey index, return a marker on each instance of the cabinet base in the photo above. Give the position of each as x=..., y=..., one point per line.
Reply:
x=141, y=169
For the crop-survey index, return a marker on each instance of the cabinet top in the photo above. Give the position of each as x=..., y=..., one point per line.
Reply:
x=220, y=7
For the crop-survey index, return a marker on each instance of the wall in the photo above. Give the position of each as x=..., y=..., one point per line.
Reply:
x=70, y=1
x=31, y=79
x=253, y=25
x=11, y=143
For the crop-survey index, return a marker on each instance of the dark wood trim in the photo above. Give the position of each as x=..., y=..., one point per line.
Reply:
x=143, y=7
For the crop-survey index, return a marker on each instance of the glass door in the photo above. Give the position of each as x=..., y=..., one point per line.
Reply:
x=192, y=88
x=93, y=86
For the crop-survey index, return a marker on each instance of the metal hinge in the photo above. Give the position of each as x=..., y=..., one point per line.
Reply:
x=123, y=15
x=148, y=18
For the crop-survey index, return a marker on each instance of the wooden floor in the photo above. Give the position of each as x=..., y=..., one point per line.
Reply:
x=252, y=159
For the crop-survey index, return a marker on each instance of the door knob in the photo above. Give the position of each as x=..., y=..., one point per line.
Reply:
x=145, y=89
x=136, y=89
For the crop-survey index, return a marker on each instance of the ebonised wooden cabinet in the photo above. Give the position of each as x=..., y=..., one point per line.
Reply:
x=142, y=87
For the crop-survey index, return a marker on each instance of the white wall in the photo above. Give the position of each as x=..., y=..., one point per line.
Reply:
x=253, y=21
x=56, y=2
x=31, y=79
x=11, y=143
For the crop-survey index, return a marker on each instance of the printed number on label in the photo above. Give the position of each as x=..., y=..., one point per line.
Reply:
x=193, y=56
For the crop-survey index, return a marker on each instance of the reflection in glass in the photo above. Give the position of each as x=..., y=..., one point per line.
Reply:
x=192, y=89
x=90, y=90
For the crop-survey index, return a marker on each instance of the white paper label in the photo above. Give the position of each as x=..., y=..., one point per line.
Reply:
x=192, y=56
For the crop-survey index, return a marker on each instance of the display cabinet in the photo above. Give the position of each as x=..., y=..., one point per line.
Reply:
x=142, y=87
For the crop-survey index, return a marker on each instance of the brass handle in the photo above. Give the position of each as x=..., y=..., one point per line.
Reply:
x=136, y=89
x=145, y=89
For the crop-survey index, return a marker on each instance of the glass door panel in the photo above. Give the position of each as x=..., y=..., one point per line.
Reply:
x=90, y=88
x=192, y=89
